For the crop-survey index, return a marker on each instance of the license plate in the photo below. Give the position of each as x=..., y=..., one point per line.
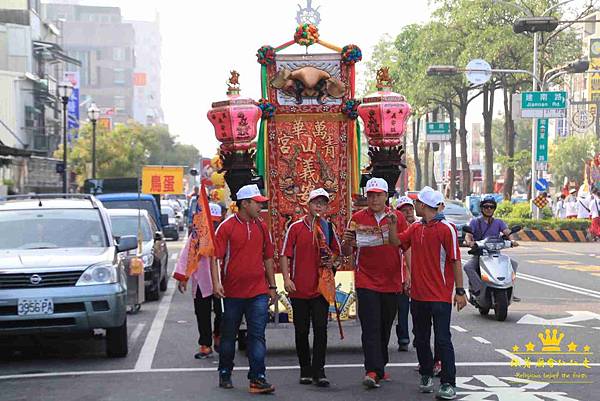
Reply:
x=36, y=306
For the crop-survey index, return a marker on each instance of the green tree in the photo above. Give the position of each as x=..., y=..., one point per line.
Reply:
x=567, y=157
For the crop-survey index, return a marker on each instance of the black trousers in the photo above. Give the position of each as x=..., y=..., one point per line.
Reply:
x=402, y=325
x=425, y=314
x=376, y=311
x=305, y=311
x=203, y=308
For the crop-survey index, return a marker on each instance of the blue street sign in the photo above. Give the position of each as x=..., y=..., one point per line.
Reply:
x=541, y=184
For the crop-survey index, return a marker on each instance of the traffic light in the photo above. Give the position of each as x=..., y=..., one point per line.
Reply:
x=535, y=24
x=578, y=66
x=442, y=70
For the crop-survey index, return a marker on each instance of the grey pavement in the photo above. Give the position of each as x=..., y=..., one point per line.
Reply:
x=559, y=285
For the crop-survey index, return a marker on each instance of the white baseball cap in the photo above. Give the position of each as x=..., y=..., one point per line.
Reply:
x=430, y=197
x=215, y=210
x=377, y=185
x=317, y=193
x=404, y=200
x=251, y=192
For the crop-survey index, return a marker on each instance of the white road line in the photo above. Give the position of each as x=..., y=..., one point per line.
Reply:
x=459, y=329
x=510, y=355
x=146, y=356
x=240, y=368
x=135, y=334
x=559, y=285
x=481, y=340
x=174, y=255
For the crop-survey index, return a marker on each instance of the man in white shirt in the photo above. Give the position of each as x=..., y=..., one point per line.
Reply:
x=560, y=211
x=583, y=205
x=571, y=205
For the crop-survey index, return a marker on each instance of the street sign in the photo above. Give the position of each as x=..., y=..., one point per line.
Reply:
x=478, y=71
x=544, y=104
x=541, y=166
x=437, y=132
x=162, y=180
x=541, y=153
x=541, y=184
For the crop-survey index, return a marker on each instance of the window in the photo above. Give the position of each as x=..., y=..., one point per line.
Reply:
x=119, y=76
x=119, y=103
x=118, y=53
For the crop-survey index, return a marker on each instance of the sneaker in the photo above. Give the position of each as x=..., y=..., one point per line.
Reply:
x=437, y=368
x=225, y=380
x=426, y=384
x=322, y=382
x=305, y=380
x=446, y=392
x=386, y=377
x=260, y=386
x=403, y=348
x=371, y=381
x=516, y=299
x=205, y=352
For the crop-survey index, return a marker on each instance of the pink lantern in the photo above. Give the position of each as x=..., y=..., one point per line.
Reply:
x=384, y=114
x=235, y=119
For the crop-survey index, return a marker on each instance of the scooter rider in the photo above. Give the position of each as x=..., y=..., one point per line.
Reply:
x=483, y=227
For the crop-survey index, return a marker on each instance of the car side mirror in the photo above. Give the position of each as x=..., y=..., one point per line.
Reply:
x=164, y=219
x=127, y=243
x=515, y=229
x=467, y=229
x=158, y=236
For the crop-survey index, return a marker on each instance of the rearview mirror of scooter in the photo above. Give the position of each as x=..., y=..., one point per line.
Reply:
x=515, y=229
x=467, y=229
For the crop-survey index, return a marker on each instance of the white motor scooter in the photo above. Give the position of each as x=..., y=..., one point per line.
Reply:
x=496, y=273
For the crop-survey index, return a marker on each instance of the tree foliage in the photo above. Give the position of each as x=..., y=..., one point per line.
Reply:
x=122, y=151
x=568, y=156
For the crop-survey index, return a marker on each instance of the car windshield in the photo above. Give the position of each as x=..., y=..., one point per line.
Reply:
x=168, y=211
x=128, y=225
x=51, y=228
x=131, y=204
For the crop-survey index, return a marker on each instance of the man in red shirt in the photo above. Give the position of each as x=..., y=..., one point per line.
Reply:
x=435, y=268
x=379, y=275
x=301, y=247
x=244, y=248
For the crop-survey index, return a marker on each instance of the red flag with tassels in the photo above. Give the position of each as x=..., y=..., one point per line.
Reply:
x=202, y=237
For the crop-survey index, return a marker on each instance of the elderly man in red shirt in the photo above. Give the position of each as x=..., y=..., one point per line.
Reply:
x=435, y=268
x=379, y=276
x=302, y=248
x=247, y=284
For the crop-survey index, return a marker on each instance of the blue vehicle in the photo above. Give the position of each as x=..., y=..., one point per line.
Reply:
x=134, y=201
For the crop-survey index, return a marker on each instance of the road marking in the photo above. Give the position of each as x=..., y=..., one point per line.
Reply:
x=459, y=329
x=135, y=334
x=174, y=255
x=146, y=356
x=481, y=340
x=559, y=285
x=552, y=262
x=510, y=355
x=565, y=252
x=241, y=368
x=576, y=316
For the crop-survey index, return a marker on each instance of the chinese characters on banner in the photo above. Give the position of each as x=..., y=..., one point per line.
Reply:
x=307, y=152
x=162, y=180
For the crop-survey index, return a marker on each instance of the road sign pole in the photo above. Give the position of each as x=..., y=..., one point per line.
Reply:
x=535, y=211
x=442, y=159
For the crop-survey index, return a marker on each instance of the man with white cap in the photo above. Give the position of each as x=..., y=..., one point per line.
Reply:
x=300, y=262
x=571, y=204
x=406, y=207
x=245, y=250
x=435, y=268
x=379, y=275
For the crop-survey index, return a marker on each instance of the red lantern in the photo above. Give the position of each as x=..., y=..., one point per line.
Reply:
x=384, y=114
x=235, y=119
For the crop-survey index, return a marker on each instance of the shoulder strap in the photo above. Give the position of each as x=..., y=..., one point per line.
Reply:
x=584, y=206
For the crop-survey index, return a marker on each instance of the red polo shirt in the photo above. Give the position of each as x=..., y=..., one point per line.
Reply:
x=305, y=258
x=434, y=249
x=243, y=246
x=378, y=268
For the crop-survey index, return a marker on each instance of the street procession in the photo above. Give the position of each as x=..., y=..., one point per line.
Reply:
x=347, y=201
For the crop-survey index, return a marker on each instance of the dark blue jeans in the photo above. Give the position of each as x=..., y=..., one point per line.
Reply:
x=423, y=314
x=256, y=312
x=402, y=326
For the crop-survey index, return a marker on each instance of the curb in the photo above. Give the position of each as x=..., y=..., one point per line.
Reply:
x=552, y=235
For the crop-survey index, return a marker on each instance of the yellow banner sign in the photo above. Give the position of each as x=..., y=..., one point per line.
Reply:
x=162, y=180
